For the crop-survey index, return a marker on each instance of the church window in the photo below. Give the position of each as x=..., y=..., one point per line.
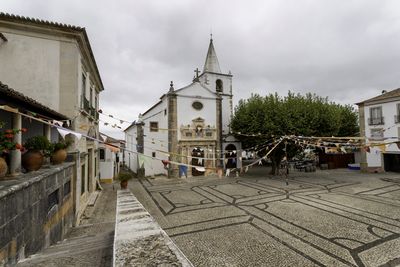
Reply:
x=153, y=154
x=153, y=126
x=219, y=87
x=197, y=105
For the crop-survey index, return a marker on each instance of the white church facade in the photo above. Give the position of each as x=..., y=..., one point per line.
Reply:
x=187, y=131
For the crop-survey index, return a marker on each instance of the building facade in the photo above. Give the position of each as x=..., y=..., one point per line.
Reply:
x=187, y=126
x=110, y=158
x=380, y=124
x=54, y=64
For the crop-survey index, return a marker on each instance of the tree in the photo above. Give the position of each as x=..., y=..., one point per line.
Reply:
x=274, y=116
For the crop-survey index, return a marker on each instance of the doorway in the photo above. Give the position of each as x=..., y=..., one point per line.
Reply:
x=230, y=156
x=198, y=160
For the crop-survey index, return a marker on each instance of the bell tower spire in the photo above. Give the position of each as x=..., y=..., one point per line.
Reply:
x=211, y=64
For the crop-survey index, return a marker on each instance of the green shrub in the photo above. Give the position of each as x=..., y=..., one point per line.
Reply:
x=124, y=176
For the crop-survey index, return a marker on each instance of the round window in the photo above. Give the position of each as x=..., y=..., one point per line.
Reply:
x=197, y=105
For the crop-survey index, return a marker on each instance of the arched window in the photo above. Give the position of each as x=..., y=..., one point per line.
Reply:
x=219, y=85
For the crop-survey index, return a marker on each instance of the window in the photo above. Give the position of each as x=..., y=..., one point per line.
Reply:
x=165, y=112
x=52, y=200
x=102, y=154
x=397, y=116
x=197, y=105
x=83, y=86
x=91, y=97
x=83, y=176
x=153, y=154
x=188, y=134
x=376, y=117
x=153, y=126
x=209, y=134
x=67, y=188
x=377, y=134
x=219, y=85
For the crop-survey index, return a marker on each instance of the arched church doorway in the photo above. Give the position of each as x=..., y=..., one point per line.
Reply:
x=230, y=156
x=198, y=160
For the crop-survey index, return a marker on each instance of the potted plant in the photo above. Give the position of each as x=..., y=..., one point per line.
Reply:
x=6, y=144
x=124, y=177
x=58, y=151
x=38, y=147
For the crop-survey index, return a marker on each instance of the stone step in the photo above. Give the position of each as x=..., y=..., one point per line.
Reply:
x=73, y=246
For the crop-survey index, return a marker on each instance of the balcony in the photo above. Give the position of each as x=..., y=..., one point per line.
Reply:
x=376, y=121
x=396, y=118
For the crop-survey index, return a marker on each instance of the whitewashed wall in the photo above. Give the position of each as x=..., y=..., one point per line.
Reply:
x=375, y=157
x=154, y=141
x=186, y=113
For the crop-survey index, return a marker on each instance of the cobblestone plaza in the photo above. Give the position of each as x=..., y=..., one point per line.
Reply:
x=327, y=218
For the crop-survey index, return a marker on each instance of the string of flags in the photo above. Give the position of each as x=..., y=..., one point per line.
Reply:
x=331, y=143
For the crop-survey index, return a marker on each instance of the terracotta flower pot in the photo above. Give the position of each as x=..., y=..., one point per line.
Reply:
x=124, y=184
x=59, y=156
x=3, y=167
x=32, y=160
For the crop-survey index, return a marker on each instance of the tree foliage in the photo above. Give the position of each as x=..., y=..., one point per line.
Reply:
x=294, y=114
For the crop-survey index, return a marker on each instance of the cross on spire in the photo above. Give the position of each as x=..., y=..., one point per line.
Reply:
x=197, y=72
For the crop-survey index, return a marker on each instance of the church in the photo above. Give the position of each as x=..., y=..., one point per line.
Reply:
x=186, y=133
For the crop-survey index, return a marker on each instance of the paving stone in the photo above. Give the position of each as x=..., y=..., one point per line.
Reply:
x=324, y=218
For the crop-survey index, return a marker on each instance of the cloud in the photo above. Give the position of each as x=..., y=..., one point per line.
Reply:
x=347, y=50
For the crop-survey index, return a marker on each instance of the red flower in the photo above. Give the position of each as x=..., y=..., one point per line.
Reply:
x=18, y=146
x=8, y=131
x=9, y=135
x=24, y=130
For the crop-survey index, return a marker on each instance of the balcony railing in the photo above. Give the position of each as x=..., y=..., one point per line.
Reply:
x=396, y=118
x=376, y=121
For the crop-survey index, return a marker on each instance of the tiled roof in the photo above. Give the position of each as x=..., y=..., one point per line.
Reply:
x=14, y=98
x=383, y=97
x=54, y=25
x=11, y=17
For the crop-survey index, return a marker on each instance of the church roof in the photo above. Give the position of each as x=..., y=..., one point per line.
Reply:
x=211, y=64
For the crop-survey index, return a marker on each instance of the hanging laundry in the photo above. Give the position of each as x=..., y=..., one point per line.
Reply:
x=165, y=163
x=246, y=169
x=226, y=161
x=200, y=161
x=228, y=172
x=183, y=170
x=141, y=159
x=200, y=169
x=233, y=161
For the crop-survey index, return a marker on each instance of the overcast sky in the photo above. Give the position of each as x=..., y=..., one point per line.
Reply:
x=347, y=50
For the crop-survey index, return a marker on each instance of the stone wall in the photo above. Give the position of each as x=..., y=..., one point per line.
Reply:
x=139, y=240
x=36, y=210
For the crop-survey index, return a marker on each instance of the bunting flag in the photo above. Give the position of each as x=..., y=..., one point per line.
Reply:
x=260, y=162
x=246, y=169
x=228, y=172
x=226, y=161
x=63, y=133
x=382, y=148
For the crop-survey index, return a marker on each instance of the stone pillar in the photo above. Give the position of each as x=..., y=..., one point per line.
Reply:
x=15, y=161
x=172, y=131
x=361, y=118
x=141, y=171
x=47, y=132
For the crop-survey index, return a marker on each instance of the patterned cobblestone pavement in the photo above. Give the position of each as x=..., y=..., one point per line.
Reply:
x=327, y=218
